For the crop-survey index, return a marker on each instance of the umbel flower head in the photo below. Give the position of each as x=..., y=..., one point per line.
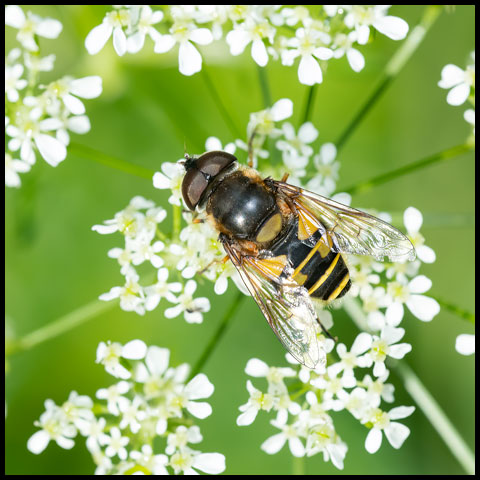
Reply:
x=38, y=118
x=123, y=427
x=315, y=35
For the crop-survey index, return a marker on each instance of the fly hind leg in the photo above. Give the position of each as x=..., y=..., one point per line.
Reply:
x=326, y=332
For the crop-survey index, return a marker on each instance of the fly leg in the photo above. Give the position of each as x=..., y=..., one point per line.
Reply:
x=326, y=332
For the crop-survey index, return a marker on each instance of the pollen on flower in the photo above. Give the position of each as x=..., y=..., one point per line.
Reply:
x=380, y=350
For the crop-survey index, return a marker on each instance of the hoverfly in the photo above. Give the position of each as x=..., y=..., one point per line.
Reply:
x=286, y=243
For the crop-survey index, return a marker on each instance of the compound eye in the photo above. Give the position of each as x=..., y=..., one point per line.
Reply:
x=193, y=185
x=212, y=163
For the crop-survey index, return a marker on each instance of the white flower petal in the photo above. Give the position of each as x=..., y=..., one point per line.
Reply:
x=256, y=368
x=400, y=350
x=259, y=53
x=426, y=254
x=164, y=44
x=136, y=41
x=373, y=440
x=105, y=229
x=457, y=95
x=38, y=442
x=14, y=16
x=247, y=417
x=309, y=71
x=355, y=59
x=134, y=350
x=50, y=149
x=393, y=27
x=396, y=434
x=221, y=286
x=379, y=369
x=451, y=76
x=362, y=343
x=394, y=314
x=49, y=28
x=213, y=144
x=73, y=104
x=160, y=180
x=66, y=443
x=274, y=444
x=469, y=116
x=211, y=463
x=202, y=36
x=392, y=335
x=119, y=41
x=420, y=284
x=79, y=124
x=199, y=409
x=424, y=308
x=199, y=387
x=173, y=312
x=157, y=359
x=296, y=447
x=87, y=87
x=189, y=59
x=400, y=412
x=412, y=219
x=282, y=109
x=98, y=37
x=307, y=133
x=465, y=344
x=237, y=40
x=363, y=34
x=323, y=53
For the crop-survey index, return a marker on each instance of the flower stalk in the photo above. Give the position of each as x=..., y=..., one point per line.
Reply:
x=447, y=154
x=393, y=68
x=60, y=326
x=218, y=334
x=234, y=130
x=110, y=161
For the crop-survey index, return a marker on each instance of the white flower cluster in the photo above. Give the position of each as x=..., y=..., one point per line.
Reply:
x=38, y=117
x=306, y=406
x=139, y=223
x=312, y=34
x=151, y=400
x=461, y=84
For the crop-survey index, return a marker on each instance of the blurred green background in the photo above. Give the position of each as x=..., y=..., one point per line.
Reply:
x=55, y=263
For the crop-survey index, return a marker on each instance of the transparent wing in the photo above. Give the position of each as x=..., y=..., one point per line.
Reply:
x=286, y=305
x=350, y=230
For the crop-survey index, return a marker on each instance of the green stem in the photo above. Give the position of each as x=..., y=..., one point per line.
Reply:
x=309, y=103
x=267, y=102
x=470, y=317
x=218, y=102
x=110, y=161
x=298, y=465
x=60, y=326
x=177, y=221
x=422, y=398
x=393, y=67
x=439, y=219
x=263, y=80
x=437, y=417
x=424, y=162
x=218, y=334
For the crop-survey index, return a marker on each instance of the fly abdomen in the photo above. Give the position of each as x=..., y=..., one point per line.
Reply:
x=316, y=267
